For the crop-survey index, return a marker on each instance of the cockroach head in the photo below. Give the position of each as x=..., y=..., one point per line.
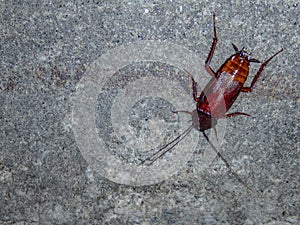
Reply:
x=202, y=121
x=245, y=55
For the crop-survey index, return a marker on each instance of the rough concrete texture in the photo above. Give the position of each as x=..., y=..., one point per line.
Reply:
x=52, y=50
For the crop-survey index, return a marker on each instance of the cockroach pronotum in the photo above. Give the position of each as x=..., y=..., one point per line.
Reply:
x=226, y=84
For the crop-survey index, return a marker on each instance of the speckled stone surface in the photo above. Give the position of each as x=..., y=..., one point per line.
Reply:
x=49, y=48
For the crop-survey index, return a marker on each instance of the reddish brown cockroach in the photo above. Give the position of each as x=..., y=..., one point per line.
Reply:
x=218, y=96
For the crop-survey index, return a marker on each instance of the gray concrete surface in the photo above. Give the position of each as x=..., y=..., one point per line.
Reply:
x=48, y=49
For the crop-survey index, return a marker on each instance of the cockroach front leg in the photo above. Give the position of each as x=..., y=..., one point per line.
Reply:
x=212, y=50
x=195, y=95
x=261, y=69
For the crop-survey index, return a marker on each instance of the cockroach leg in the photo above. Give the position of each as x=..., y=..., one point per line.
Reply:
x=216, y=133
x=183, y=111
x=212, y=50
x=261, y=69
x=236, y=114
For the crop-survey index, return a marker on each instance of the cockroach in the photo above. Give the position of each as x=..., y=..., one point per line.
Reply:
x=218, y=96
